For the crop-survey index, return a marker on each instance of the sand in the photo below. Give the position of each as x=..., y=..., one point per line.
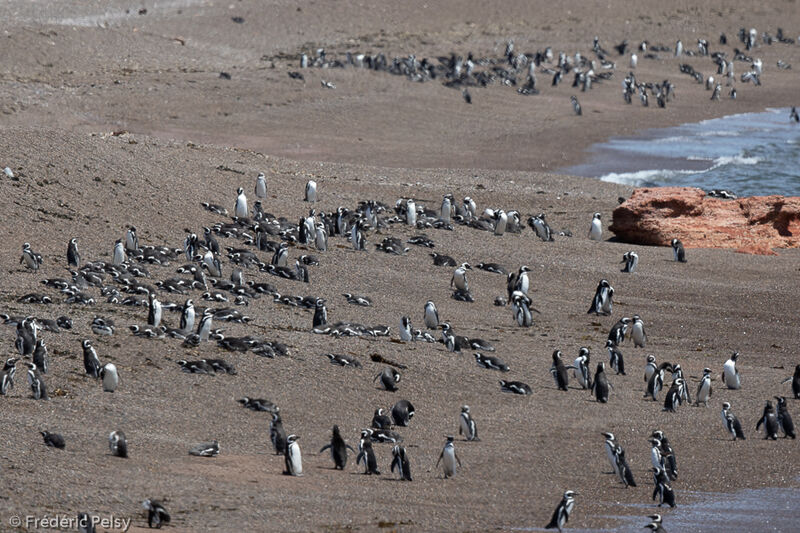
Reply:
x=73, y=74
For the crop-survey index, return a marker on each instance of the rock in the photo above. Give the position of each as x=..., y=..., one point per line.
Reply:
x=752, y=225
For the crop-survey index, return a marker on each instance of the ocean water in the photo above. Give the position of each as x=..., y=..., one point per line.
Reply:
x=749, y=154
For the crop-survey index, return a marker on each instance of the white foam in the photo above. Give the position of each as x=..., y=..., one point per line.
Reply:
x=642, y=176
x=735, y=160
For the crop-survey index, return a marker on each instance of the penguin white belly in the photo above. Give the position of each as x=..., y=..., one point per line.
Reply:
x=449, y=462
x=731, y=376
x=296, y=459
x=596, y=232
x=110, y=378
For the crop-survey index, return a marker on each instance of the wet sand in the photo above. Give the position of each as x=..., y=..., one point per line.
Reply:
x=383, y=138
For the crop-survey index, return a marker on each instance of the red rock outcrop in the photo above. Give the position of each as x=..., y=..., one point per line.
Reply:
x=750, y=225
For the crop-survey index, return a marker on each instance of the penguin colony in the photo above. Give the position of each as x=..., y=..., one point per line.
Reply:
x=230, y=278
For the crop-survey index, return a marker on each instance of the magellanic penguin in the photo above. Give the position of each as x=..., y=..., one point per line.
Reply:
x=261, y=186
x=131, y=241
x=380, y=420
x=90, y=361
x=673, y=398
x=730, y=374
x=596, y=229
x=338, y=449
x=601, y=303
x=311, y=191
x=277, y=434
x=402, y=413
x=459, y=279
x=562, y=512
x=611, y=451
x=704, y=388
x=40, y=356
x=405, y=329
x=53, y=440
x=73, y=257
x=449, y=458
x=38, y=387
x=623, y=470
x=205, y=449
x=153, y=311
x=467, y=425
x=678, y=253
x=431, y=315
x=784, y=418
x=619, y=330
x=581, y=369
x=367, y=454
x=411, y=212
x=292, y=457
x=600, y=385
x=637, y=332
x=615, y=358
x=118, y=444
x=401, y=462
x=732, y=423
x=110, y=377
x=631, y=260
x=118, y=257
x=559, y=371
x=389, y=378
x=576, y=105
x=157, y=514
x=7, y=375
x=320, y=314
x=29, y=258
x=240, y=206
x=795, y=379
x=655, y=526
x=669, y=462
x=662, y=489
x=656, y=381
x=187, y=316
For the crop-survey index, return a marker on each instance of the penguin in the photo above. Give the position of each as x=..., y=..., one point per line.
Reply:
x=650, y=367
x=261, y=186
x=634, y=60
x=157, y=514
x=311, y=191
x=516, y=387
x=576, y=105
x=320, y=313
x=187, y=316
x=704, y=388
x=624, y=471
x=240, y=206
x=411, y=212
x=655, y=525
x=400, y=460
x=559, y=371
x=500, y=223
x=467, y=425
x=730, y=374
x=656, y=381
x=450, y=458
x=86, y=523
x=102, y=326
x=40, y=356
x=38, y=387
x=631, y=260
x=459, y=279
x=615, y=358
x=673, y=398
x=601, y=304
x=110, y=377
x=321, y=237
x=795, y=379
x=600, y=385
x=204, y=328
x=662, y=488
x=668, y=455
x=90, y=361
x=793, y=115
x=678, y=48
x=118, y=257
x=338, y=449
x=118, y=444
x=277, y=434
x=677, y=251
x=380, y=420
x=637, y=332
x=367, y=455
x=31, y=259
x=402, y=412
x=153, y=311
x=784, y=418
x=581, y=368
x=520, y=307
x=563, y=510
x=205, y=449
x=73, y=257
x=53, y=440
x=619, y=330
x=541, y=227
x=611, y=451
x=212, y=264
x=7, y=376
x=731, y=423
x=25, y=341
x=405, y=329
x=490, y=362
x=522, y=283
x=281, y=256
x=444, y=213
x=596, y=229
x=389, y=379
x=358, y=237
x=292, y=457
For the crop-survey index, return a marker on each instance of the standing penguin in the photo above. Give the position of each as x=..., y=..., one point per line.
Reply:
x=784, y=418
x=31, y=259
x=7, y=375
x=673, y=398
x=615, y=358
x=596, y=229
x=600, y=385
x=321, y=237
x=277, y=434
x=389, y=378
x=730, y=374
x=90, y=361
x=311, y=191
x=619, y=330
x=431, y=315
x=38, y=387
x=656, y=381
x=40, y=356
x=405, y=329
x=261, y=185
x=118, y=444
x=732, y=423
x=662, y=489
x=795, y=379
x=293, y=459
x=118, y=256
x=400, y=460
x=601, y=304
x=153, y=311
x=411, y=212
x=156, y=513
x=320, y=313
x=624, y=471
x=649, y=367
x=678, y=253
x=631, y=260
x=559, y=371
x=240, y=206
x=501, y=222
x=704, y=388
x=338, y=449
x=73, y=257
x=581, y=369
x=467, y=425
x=611, y=451
x=576, y=105
x=562, y=512
x=637, y=332
x=367, y=454
x=110, y=377
x=669, y=462
x=459, y=279
x=187, y=316
x=450, y=458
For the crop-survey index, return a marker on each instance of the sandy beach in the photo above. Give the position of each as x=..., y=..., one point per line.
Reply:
x=73, y=73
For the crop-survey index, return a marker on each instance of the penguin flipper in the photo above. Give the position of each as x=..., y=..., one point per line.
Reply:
x=361, y=456
x=324, y=448
x=350, y=448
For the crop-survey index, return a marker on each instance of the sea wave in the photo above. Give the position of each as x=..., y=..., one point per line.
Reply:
x=643, y=177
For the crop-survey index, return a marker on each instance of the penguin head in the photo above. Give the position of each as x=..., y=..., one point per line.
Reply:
x=735, y=356
x=450, y=438
x=706, y=371
x=556, y=355
x=292, y=438
x=608, y=435
x=466, y=266
x=570, y=493
x=87, y=344
x=239, y=190
x=781, y=400
x=465, y=408
x=335, y=431
x=725, y=406
x=596, y=215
